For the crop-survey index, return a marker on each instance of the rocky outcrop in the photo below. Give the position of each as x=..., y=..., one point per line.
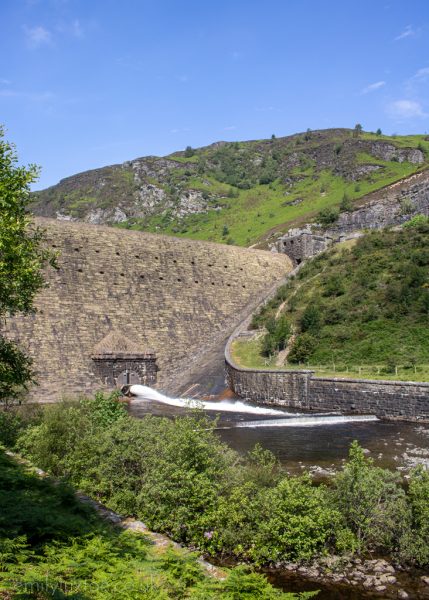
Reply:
x=161, y=192
x=393, y=205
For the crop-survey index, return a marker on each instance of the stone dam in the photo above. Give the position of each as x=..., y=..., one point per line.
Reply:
x=125, y=306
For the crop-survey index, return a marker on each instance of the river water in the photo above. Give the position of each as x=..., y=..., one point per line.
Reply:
x=316, y=442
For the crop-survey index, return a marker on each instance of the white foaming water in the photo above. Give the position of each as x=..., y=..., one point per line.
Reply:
x=147, y=393
x=308, y=421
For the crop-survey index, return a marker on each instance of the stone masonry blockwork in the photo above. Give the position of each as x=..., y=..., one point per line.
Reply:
x=301, y=390
x=168, y=294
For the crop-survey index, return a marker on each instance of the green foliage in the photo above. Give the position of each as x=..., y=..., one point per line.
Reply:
x=346, y=203
x=328, y=216
x=244, y=584
x=357, y=130
x=53, y=546
x=189, y=151
x=296, y=524
x=372, y=502
x=365, y=303
x=414, y=546
x=261, y=172
x=302, y=348
x=278, y=335
x=21, y=260
x=104, y=409
x=416, y=221
x=16, y=372
x=378, y=132
x=311, y=319
x=180, y=478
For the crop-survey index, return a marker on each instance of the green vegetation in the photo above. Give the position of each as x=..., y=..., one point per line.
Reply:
x=181, y=479
x=356, y=310
x=53, y=546
x=21, y=260
x=256, y=189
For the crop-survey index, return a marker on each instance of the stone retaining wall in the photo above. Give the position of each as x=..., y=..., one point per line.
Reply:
x=302, y=391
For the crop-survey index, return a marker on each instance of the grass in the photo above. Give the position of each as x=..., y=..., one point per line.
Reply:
x=254, y=213
x=247, y=354
x=265, y=207
x=363, y=307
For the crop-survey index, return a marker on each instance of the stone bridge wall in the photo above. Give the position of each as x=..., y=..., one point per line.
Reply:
x=172, y=295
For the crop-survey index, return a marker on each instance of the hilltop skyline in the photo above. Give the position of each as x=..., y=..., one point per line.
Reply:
x=83, y=85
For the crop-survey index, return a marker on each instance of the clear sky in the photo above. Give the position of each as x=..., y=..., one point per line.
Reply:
x=86, y=83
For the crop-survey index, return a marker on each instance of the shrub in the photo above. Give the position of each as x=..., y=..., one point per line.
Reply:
x=296, y=521
x=311, y=319
x=346, y=203
x=372, y=502
x=278, y=334
x=302, y=348
x=416, y=221
x=328, y=215
x=414, y=546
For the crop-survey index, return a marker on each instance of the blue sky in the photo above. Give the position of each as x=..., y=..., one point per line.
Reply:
x=86, y=83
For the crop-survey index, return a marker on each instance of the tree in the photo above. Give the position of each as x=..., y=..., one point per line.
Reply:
x=378, y=132
x=357, y=130
x=189, y=151
x=22, y=257
x=328, y=216
x=372, y=502
x=346, y=204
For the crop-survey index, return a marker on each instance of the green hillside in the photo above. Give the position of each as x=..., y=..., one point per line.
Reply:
x=237, y=192
x=361, y=309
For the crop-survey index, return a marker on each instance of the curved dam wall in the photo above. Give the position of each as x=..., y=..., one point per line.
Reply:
x=301, y=390
x=174, y=297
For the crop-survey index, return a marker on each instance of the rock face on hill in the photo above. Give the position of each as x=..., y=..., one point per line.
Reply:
x=392, y=205
x=161, y=194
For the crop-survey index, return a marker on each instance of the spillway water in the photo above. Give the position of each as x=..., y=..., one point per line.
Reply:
x=143, y=392
x=298, y=440
x=146, y=393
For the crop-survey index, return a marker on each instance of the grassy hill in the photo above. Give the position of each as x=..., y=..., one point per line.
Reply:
x=240, y=192
x=360, y=309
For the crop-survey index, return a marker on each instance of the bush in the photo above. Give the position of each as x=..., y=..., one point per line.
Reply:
x=311, y=319
x=328, y=216
x=416, y=221
x=414, y=544
x=372, y=503
x=302, y=348
x=296, y=521
x=346, y=203
x=278, y=335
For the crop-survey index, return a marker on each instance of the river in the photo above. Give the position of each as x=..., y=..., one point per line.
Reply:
x=318, y=443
